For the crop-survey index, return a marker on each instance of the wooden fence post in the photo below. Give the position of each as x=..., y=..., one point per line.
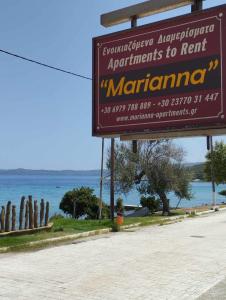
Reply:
x=21, y=213
x=47, y=214
x=35, y=214
x=26, y=215
x=3, y=219
x=31, y=214
x=13, y=228
x=7, y=218
x=42, y=209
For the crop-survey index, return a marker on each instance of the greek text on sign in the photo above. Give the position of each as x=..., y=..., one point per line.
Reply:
x=161, y=77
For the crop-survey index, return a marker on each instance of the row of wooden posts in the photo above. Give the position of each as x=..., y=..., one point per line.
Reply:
x=27, y=220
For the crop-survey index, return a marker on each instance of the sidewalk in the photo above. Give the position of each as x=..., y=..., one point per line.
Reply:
x=178, y=261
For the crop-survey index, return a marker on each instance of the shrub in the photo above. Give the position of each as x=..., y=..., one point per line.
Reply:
x=115, y=227
x=119, y=206
x=56, y=217
x=222, y=193
x=151, y=203
x=81, y=201
x=105, y=212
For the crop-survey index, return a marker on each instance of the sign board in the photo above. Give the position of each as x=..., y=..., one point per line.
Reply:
x=163, y=77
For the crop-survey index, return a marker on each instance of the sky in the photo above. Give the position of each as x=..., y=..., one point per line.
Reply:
x=45, y=116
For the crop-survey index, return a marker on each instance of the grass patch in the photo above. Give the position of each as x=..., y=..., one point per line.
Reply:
x=68, y=226
x=61, y=227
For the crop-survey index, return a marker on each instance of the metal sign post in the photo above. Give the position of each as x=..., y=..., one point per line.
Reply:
x=101, y=179
x=210, y=148
x=112, y=189
x=134, y=24
x=197, y=6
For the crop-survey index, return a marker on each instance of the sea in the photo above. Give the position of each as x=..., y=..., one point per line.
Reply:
x=52, y=188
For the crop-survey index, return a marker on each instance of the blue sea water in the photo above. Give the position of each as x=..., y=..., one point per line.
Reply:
x=53, y=187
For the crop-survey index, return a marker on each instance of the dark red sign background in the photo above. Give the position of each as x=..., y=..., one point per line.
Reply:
x=161, y=77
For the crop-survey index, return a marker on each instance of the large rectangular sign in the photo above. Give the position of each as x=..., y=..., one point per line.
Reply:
x=162, y=77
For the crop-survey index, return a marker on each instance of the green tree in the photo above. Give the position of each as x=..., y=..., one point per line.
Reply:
x=218, y=160
x=82, y=201
x=156, y=169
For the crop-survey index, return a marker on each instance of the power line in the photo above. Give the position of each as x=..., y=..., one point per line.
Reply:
x=45, y=65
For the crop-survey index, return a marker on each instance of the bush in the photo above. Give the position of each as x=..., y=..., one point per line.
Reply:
x=80, y=202
x=222, y=193
x=115, y=227
x=119, y=206
x=56, y=217
x=151, y=203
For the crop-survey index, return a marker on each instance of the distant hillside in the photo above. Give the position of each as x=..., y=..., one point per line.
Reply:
x=197, y=171
x=50, y=172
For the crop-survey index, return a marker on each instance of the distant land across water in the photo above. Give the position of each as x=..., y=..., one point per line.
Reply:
x=22, y=171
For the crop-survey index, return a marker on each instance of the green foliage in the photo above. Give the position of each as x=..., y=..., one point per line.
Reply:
x=56, y=217
x=156, y=169
x=222, y=193
x=115, y=227
x=119, y=206
x=151, y=203
x=197, y=171
x=58, y=229
x=80, y=202
x=71, y=225
x=218, y=158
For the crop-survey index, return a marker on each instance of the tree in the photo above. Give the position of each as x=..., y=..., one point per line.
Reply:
x=82, y=201
x=156, y=169
x=218, y=160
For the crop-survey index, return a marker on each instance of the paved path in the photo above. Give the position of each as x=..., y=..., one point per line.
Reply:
x=177, y=261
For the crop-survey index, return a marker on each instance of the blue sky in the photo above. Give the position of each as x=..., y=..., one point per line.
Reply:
x=45, y=116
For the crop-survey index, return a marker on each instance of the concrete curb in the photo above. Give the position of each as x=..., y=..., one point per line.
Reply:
x=101, y=231
x=209, y=211
x=26, y=231
x=61, y=238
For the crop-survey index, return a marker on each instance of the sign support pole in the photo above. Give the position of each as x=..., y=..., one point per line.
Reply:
x=101, y=179
x=210, y=148
x=112, y=188
x=198, y=5
x=134, y=24
x=134, y=144
x=212, y=174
